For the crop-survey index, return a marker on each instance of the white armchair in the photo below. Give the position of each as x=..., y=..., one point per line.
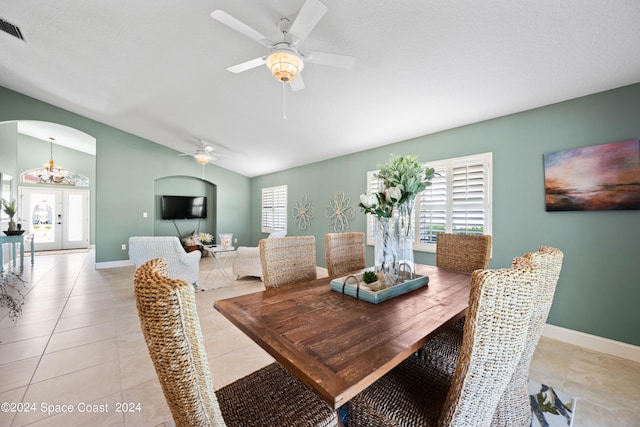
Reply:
x=247, y=262
x=182, y=265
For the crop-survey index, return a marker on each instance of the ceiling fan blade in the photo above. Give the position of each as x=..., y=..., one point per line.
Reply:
x=248, y=65
x=311, y=13
x=297, y=83
x=330, y=59
x=240, y=27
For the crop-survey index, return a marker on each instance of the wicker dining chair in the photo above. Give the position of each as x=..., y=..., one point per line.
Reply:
x=514, y=408
x=441, y=353
x=344, y=252
x=458, y=252
x=412, y=394
x=171, y=328
x=288, y=260
x=463, y=252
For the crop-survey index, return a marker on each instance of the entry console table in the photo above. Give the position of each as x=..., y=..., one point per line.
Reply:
x=13, y=240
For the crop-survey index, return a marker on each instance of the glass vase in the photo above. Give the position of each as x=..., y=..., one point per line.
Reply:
x=225, y=240
x=407, y=234
x=386, y=250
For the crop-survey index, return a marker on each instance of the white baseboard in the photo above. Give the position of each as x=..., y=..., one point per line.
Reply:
x=592, y=342
x=113, y=264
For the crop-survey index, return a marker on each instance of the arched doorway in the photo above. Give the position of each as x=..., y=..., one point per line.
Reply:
x=57, y=211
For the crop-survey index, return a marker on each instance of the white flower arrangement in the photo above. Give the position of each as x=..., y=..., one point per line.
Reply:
x=403, y=178
x=205, y=238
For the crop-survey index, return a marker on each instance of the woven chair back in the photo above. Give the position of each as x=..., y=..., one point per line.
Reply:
x=514, y=408
x=344, y=252
x=500, y=306
x=171, y=329
x=463, y=252
x=288, y=260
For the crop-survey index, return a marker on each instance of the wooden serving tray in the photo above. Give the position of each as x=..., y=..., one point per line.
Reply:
x=356, y=290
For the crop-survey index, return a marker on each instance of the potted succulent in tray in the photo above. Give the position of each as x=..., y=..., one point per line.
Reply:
x=370, y=278
x=10, y=209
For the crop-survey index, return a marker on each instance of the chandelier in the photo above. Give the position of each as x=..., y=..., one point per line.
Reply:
x=51, y=174
x=284, y=65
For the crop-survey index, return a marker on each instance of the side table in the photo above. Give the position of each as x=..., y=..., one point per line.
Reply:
x=219, y=261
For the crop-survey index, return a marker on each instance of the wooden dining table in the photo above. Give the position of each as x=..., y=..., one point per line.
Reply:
x=338, y=345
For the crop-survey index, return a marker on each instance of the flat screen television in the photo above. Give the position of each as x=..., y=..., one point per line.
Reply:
x=184, y=207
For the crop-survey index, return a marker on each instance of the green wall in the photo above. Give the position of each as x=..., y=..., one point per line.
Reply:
x=127, y=167
x=8, y=150
x=599, y=289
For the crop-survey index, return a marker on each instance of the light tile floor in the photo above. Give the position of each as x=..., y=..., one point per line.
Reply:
x=76, y=356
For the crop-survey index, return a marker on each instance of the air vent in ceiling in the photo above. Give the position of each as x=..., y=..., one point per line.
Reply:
x=9, y=28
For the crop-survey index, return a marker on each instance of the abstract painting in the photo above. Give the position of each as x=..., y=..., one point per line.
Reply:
x=600, y=177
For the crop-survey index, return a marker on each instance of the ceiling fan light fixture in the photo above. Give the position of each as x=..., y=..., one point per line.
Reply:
x=284, y=65
x=202, y=158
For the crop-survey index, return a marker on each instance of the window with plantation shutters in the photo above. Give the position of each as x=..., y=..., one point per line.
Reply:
x=274, y=209
x=458, y=200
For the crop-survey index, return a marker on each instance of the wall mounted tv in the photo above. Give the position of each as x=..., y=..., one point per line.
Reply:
x=184, y=207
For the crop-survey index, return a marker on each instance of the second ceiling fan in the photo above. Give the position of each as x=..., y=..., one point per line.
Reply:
x=286, y=59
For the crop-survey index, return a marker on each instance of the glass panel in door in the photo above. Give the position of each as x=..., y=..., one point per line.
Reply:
x=75, y=224
x=43, y=213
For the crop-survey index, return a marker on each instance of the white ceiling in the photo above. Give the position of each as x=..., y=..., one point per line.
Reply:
x=157, y=69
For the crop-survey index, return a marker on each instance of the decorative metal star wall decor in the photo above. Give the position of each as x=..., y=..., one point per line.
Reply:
x=340, y=212
x=303, y=213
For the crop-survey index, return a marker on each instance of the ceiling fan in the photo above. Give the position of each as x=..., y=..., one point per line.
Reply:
x=286, y=59
x=204, y=154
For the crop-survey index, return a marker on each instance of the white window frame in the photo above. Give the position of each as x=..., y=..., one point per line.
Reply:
x=274, y=209
x=372, y=187
x=443, y=185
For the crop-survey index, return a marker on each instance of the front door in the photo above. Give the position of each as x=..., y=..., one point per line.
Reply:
x=57, y=217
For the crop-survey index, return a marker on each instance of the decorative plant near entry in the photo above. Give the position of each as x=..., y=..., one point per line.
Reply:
x=9, y=207
x=11, y=296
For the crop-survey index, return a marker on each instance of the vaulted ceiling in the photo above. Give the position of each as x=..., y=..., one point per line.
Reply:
x=158, y=69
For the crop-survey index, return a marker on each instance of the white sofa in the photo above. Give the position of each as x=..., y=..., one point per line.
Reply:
x=182, y=265
x=247, y=262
